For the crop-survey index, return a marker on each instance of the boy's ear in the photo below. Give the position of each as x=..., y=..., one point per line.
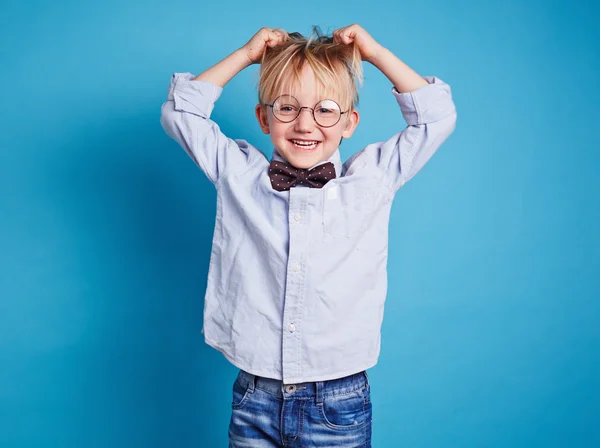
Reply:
x=351, y=123
x=261, y=116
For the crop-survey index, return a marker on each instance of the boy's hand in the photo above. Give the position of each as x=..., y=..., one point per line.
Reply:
x=401, y=75
x=367, y=46
x=266, y=37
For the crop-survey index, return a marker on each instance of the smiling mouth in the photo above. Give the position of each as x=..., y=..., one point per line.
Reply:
x=305, y=144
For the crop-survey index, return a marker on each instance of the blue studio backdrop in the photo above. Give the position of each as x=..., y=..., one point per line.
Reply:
x=491, y=334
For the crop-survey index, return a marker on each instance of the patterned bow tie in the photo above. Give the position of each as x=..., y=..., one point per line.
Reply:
x=284, y=176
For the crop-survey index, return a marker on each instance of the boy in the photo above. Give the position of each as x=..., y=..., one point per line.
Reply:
x=297, y=277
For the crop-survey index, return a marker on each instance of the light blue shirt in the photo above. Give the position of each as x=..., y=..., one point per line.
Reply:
x=298, y=279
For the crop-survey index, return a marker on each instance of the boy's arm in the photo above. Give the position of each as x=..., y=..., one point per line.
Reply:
x=426, y=104
x=185, y=115
x=224, y=71
x=251, y=53
x=401, y=75
x=431, y=117
x=404, y=78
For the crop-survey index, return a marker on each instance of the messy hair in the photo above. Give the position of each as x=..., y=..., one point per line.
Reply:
x=337, y=67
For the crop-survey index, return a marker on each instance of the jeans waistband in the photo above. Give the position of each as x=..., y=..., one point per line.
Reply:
x=329, y=388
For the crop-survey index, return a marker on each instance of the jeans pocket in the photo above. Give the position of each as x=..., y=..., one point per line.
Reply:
x=367, y=387
x=345, y=412
x=240, y=394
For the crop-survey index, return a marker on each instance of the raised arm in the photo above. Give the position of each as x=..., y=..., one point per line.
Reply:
x=404, y=78
x=185, y=115
x=426, y=104
x=224, y=71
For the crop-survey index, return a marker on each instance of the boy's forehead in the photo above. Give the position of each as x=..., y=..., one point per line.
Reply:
x=308, y=88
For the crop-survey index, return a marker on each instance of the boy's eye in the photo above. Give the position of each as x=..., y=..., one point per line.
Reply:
x=325, y=111
x=288, y=108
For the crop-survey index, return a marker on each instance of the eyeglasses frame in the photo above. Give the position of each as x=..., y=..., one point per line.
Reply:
x=312, y=110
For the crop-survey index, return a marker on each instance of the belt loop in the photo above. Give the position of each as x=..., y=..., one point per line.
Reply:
x=320, y=391
x=251, y=383
x=367, y=380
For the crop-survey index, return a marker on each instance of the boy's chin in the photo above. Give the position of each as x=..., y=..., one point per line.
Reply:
x=305, y=161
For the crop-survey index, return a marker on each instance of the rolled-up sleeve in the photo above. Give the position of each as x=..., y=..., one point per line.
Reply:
x=431, y=117
x=185, y=117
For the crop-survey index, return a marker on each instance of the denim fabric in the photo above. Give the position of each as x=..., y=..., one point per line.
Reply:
x=267, y=413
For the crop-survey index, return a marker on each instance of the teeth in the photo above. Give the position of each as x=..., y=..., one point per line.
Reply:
x=305, y=144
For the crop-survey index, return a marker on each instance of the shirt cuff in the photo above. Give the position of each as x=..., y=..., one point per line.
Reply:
x=195, y=97
x=426, y=104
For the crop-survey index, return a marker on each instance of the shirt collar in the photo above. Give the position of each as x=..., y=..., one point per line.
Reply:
x=335, y=159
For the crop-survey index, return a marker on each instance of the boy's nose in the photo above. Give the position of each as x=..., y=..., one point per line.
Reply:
x=305, y=121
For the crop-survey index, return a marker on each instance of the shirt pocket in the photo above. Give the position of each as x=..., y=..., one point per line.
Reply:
x=348, y=208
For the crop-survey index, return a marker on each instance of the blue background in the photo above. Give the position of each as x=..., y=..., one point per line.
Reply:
x=491, y=336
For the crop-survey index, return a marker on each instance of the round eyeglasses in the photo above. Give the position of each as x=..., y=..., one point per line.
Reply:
x=326, y=113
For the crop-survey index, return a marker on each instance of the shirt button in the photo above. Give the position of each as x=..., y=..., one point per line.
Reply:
x=298, y=218
x=292, y=328
x=295, y=267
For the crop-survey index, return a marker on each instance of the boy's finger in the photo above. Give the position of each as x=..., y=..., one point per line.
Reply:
x=270, y=36
x=336, y=36
x=274, y=40
x=350, y=35
x=278, y=37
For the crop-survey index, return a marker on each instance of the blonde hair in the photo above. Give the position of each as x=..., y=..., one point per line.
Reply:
x=337, y=67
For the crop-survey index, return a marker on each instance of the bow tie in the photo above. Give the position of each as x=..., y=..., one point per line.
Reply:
x=284, y=176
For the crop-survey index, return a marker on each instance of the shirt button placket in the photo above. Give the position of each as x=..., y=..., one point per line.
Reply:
x=294, y=291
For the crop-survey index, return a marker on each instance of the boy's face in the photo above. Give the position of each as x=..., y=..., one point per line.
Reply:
x=286, y=137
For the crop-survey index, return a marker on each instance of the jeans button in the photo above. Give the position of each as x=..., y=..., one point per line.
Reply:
x=290, y=388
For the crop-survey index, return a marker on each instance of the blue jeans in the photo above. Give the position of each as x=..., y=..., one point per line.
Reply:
x=267, y=414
